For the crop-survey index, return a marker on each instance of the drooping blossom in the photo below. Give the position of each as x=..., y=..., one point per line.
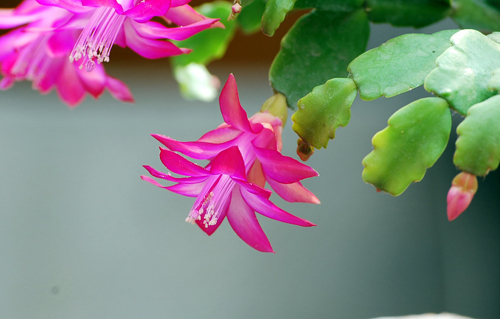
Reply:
x=243, y=155
x=39, y=49
x=463, y=188
x=127, y=23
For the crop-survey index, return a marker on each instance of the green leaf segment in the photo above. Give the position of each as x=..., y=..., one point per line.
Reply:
x=319, y=115
x=416, y=136
x=464, y=70
x=478, y=144
x=398, y=65
x=274, y=14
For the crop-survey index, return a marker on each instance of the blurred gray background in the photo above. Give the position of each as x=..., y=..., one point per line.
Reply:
x=82, y=236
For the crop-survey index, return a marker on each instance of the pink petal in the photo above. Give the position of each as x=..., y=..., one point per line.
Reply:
x=229, y=162
x=154, y=30
x=267, y=208
x=60, y=43
x=183, y=15
x=197, y=150
x=254, y=189
x=265, y=139
x=220, y=135
x=180, y=165
x=178, y=3
x=118, y=90
x=69, y=87
x=147, y=48
x=282, y=169
x=74, y=6
x=104, y=3
x=245, y=224
x=92, y=81
x=146, y=10
x=293, y=192
x=255, y=175
x=189, y=190
x=9, y=19
x=230, y=107
x=168, y=177
x=6, y=83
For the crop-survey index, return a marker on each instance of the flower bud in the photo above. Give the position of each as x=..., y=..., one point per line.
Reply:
x=276, y=105
x=304, y=149
x=463, y=188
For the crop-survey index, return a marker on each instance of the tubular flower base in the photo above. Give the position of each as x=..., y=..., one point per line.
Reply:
x=50, y=35
x=463, y=188
x=243, y=154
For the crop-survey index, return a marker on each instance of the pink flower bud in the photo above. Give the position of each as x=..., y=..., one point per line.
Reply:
x=463, y=188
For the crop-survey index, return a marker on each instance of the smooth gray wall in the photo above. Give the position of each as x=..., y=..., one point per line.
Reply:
x=81, y=236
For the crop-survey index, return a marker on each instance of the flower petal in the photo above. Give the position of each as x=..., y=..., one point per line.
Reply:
x=119, y=90
x=282, y=169
x=93, y=81
x=178, y=3
x=104, y=3
x=293, y=192
x=189, y=190
x=255, y=175
x=229, y=162
x=70, y=5
x=168, y=177
x=254, y=189
x=267, y=208
x=146, y=10
x=230, y=107
x=154, y=30
x=9, y=19
x=245, y=224
x=183, y=15
x=197, y=150
x=69, y=87
x=220, y=135
x=147, y=48
x=180, y=165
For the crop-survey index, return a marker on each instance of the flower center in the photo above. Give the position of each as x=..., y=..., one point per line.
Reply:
x=212, y=201
x=96, y=40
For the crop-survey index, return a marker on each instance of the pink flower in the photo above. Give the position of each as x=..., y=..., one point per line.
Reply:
x=463, y=188
x=37, y=53
x=243, y=154
x=127, y=23
x=49, y=37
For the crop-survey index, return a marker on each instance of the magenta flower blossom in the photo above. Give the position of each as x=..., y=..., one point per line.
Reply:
x=243, y=154
x=42, y=56
x=52, y=34
x=127, y=24
x=463, y=188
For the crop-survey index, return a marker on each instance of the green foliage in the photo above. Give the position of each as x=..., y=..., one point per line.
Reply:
x=398, y=65
x=407, y=13
x=317, y=48
x=464, y=70
x=331, y=5
x=483, y=15
x=478, y=144
x=323, y=110
x=274, y=14
x=212, y=43
x=416, y=136
x=250, y=17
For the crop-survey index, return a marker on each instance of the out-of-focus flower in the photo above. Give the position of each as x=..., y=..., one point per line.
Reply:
x=243, y=154
x=463, y=188
x=37, y=53
x=49, y=37
x=127, y=23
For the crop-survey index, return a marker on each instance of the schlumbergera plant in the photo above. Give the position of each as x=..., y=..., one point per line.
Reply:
x=320, y=69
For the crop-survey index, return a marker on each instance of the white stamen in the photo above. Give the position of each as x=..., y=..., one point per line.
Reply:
x=212, y=201
x=97, y=38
